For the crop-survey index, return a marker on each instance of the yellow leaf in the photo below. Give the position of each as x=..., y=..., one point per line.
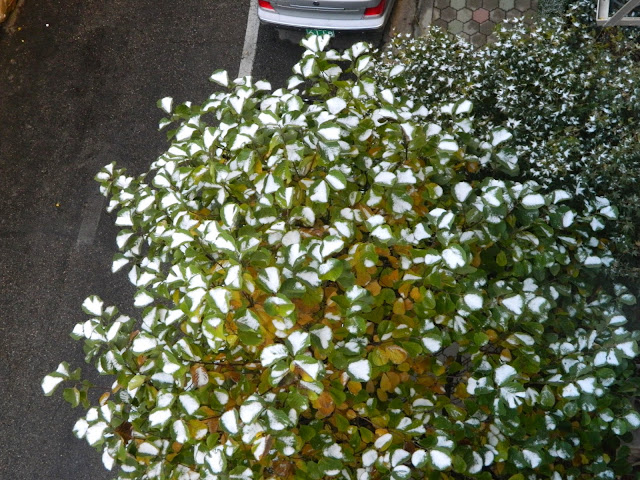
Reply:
x=505, y=355
x=398, y=307
x=382, y=395
x=354, y=387
x=374, y=288
x=390, y=279
x=396, y=354
x=385, y=383
x=379, y=357
x=404, y=367
x=415, y=294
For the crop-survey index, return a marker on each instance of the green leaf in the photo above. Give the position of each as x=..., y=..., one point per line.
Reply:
x=72, y=395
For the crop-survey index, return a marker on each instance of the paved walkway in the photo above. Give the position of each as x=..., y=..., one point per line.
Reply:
x=475, y=20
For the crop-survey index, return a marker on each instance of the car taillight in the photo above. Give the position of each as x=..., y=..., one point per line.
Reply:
x=377, y=10
x=267, y=5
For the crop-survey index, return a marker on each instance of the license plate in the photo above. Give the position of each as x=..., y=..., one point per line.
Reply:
x=315, y=31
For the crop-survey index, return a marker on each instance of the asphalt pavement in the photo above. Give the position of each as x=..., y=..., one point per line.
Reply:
x=79, y=81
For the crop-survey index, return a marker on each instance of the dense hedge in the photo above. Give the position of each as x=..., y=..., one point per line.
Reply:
x=328, y=292
x=567, y=90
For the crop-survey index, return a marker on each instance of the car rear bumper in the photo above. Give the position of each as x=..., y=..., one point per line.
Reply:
x=289, y=21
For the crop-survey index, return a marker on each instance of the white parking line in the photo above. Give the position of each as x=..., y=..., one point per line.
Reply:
x=250, y=40
x=90, y=219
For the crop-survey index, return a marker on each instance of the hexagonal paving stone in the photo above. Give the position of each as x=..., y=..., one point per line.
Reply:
x=487, y=27
x=513, y=14
x=481, y=15
x=441, y=4
x=523, y=5
x=464, y=15
x=478, y=39
x=490, y=4
x=473, y=4
x=507, y=4
x=458, y=4
x=464, y=36
x=448, y=14
x=471, y=27
x=455, y=26
x=498, y=15
x=440, y=24
x=435, y=15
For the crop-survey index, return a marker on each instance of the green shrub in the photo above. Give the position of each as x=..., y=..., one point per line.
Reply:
x=567, y=90
x=327, y=293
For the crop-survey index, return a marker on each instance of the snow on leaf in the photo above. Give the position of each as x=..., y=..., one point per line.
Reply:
x=221, y=77
x=512, y=395
x=250, y=410
x=499, y=136
x=93, y=305
x=385, y=178
x=189, y=402
x=166, y=104
x=147, y=448
x=448, y=145
x=272, y=353
x=221, y=298
x=419, y=458
x=382, y=233
x=533, y=459
x=320, y=192
x=49, y=384
x=233, y=277
x=360, y=370
x=159, y=417
x=633, y=418
x=504, y=373
x=628, y=348
x=336, y=179
x=336, y=105
x=324, y=335
x=514, y=304
x=383, y=441
x=298, y=340
x=369, y=458
x=440, y=459
x=229, y=421
x=587, y=385
x=215, y=459
x=270, y=277
x=80, y=428
x=333, y=451
x=462, y=191
x=143, y=343
x=179, y=428
x=473, y=301
x=309, y=365
x=533, y=201
x=399, y=456
x=331, y=245
x=95, y=433
x=330, y=133
x=278, y=421
x=432, y=342
x=454, y=257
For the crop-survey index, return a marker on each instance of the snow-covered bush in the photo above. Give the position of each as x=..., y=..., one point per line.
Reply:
x=326, y=292
x=569, y=92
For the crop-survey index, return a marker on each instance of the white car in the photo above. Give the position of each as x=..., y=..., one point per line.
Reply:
x=325, y=16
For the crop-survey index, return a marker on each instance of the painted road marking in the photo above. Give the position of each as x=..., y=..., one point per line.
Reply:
x=250, y=41
x=91, y=215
